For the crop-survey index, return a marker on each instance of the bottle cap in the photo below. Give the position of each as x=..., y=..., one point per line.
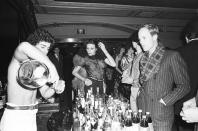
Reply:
x=147, y=113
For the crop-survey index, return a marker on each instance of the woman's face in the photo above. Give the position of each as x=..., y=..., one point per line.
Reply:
x=91, y=49
x=122, y=50
x=130, y=52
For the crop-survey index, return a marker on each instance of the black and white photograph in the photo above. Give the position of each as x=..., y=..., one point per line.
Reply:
x=99, y=65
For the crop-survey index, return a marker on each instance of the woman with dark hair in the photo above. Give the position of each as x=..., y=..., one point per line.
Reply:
x=126, y=64
x=89, y=66
x=135, y=71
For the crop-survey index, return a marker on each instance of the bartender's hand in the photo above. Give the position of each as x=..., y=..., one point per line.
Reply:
x=190, y=115
x=189, y=104
x=88, y=82
x=60, y=86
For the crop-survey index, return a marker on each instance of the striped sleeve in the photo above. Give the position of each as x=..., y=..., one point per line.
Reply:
x=181, y=79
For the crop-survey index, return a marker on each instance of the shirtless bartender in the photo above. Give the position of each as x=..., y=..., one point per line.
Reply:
x=22, y=105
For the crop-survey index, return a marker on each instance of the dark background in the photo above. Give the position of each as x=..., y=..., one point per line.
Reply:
x=8, y=35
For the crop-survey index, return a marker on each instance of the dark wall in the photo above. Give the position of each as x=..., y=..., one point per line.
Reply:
x=8, y=35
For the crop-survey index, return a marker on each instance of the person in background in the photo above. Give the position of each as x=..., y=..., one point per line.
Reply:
x=135, y=71
x=189, y=52
x=126, y=80
x=20, y=112
x=160, y=70
x=109, y=81
x=118, y=59
x=57, y=59
x=119, y=53
x=92, y=58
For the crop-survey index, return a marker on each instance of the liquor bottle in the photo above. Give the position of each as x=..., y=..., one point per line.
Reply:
x=149, y=120
x=87, y=125
x=2, y=96
x=116, y=124
x=107, y=121
x=144, y=124
x=100, y=121
x=140, y=114
x=87, y=96
x=76, y=119
x=91, y=97
x=93, y=120
x=135, y=121
x=97, y=97
x=128, y=120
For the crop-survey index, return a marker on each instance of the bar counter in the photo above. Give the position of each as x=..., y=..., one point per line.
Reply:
x=44, y=113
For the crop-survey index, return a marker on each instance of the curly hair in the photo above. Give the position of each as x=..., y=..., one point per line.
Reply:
x=40, y=35
x=83, y=52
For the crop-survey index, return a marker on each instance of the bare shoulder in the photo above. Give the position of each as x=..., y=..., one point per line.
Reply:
x=19, y=52
x=23, y=45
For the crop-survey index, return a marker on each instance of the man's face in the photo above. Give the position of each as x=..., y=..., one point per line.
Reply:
x=91, y=49
x=146, y=39
x=43, y=47
x=56, y=50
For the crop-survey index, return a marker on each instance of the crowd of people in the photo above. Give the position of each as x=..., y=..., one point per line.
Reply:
x=153, y=78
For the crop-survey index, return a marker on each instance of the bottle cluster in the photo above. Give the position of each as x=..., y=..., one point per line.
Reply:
x=102, y=113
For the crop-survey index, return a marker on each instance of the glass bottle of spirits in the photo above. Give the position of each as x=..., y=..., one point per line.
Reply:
x=107, y=121
x=93, y=120
x=144, y=124
x=149, y=120
x=128, y=120
x=91, y=97
x=97, y=97
x=135, y=121
x=140, y=114
x=2, y=95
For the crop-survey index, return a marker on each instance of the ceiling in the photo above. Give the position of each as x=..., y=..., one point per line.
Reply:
x=160, y=9
x=155, y=3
